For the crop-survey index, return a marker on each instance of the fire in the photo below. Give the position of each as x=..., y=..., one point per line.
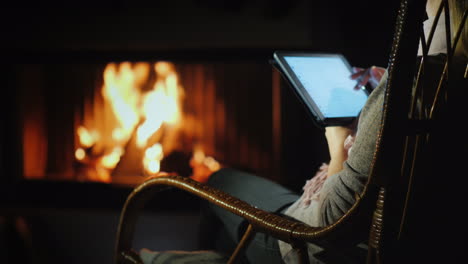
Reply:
x=202, y=165
x=121, y=92
x=110, y=160
x=161, y=104
x=80, y=154
x=152, y=159
x=119, y=135
x=86, y=138
x=139, y=112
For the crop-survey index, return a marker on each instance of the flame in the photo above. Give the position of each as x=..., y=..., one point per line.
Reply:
x=151, y=104
x=212, y=164
x=198, y=155
x=141, y=71
x=80, y=154
x=163, y=68
x=87, y=139
x=203, y=166
x=119, y=134
x=154, y=152
x=110, y=160
x=137, y=111
x=152, y=158
x=161, y=104
x=120, y=91
x=153, y=166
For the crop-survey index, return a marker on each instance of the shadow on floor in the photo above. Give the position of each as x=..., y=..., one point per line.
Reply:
x=88, y=236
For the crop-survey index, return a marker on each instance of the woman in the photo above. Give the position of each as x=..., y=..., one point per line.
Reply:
x=329, y=194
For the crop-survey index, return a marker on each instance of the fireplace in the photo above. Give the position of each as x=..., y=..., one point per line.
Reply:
x=65, y=127
x=118, y=122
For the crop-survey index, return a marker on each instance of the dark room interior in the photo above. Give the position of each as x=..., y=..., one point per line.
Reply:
x=236, y=108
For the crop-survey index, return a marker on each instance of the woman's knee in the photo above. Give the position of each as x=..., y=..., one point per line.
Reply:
x=217, y=177
x=226, y=179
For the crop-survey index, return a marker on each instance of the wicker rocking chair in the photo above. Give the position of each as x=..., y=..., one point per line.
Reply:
x=408, y=152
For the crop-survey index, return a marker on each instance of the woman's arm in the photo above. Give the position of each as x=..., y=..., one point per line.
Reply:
x=336, y=136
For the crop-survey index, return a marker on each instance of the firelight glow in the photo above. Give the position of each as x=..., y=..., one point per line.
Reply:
x=153, y=166
x=86, y=138
x=80, y=154
x=160, y=105
x=110, y=160
x=152, y=158
x=138, y=112
x=121, y=93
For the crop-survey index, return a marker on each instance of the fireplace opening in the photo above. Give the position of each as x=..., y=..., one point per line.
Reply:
x=121, y=121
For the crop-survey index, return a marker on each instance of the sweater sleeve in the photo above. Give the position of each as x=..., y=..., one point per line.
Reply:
x=339, y=190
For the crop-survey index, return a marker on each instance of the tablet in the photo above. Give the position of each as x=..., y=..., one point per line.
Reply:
x=323, y=84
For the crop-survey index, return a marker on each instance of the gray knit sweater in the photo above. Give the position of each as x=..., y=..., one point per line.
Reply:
x=338, y=192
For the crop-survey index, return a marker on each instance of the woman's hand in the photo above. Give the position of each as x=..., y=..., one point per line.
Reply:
x=336, y=136
x=371, y=75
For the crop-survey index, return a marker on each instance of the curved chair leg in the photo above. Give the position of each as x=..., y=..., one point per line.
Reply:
x=246, y=238
x=302, y=253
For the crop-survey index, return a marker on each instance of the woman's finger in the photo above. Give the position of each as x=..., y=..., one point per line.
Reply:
x=377, y=72
x=356, y=69
x=364, y=80
x=356, y=75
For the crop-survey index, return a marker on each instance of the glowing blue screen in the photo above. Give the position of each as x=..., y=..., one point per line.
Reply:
x=327, y=80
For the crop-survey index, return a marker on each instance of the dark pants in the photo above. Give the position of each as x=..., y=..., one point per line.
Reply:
x=224, y=230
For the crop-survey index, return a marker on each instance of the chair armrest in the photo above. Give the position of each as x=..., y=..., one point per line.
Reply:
x=282, y=228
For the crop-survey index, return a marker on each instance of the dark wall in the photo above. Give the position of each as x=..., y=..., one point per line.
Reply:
x=149, y=25
x=353, y=27
x=367, y=30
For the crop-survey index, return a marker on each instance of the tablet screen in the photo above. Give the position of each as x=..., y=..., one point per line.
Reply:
x=326, y=80
x=322, y=82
